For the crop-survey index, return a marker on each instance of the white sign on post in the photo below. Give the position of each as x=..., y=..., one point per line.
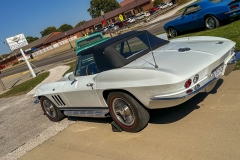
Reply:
x=16, y=42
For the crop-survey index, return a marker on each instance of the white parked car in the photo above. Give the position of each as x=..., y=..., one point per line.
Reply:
x=170, y=4
x=130, y=74
x=163, y=6
x=131, y=20
x=141, y=16
x=146, y=14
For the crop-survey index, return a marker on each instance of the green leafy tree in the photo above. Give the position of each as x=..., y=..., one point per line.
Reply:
x=64, y=27
x=48, y=30
x=157, y=2
x=105, y=5
x=80, y=23
x=31, y=39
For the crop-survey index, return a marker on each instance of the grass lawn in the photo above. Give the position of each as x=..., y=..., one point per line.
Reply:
x=26, y=86
x=71, y=65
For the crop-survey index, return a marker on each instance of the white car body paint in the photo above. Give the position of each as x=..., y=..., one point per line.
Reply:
x=145, y=82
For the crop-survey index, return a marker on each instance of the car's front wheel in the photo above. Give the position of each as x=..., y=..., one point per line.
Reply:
x=50, y=110
x=127, y=112
x=211, y=22
x=172, y=32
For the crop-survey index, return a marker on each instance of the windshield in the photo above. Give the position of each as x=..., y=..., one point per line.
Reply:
x=89, y=40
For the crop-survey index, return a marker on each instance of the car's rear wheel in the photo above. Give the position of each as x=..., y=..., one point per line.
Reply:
x=50, y=110
x=172, y=32
x=211, y=22
x=127, y=112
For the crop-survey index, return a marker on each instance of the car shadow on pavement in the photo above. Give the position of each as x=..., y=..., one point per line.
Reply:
x=176, y=113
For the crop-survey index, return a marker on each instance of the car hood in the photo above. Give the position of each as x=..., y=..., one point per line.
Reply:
x=171, y=58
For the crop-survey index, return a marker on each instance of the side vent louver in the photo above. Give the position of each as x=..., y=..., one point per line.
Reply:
x=58, y=100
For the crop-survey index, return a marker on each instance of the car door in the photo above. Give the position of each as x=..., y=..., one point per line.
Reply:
x=188, y=20
x=81, y=91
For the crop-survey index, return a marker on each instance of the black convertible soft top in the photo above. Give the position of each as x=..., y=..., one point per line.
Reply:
x=107, y=57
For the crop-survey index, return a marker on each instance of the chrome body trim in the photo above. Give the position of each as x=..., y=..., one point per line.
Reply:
x=233, y=11
x=231, y=65
x=158, y=102
x=97, y=113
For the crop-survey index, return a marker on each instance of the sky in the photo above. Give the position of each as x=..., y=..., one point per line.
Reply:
x=30, y=17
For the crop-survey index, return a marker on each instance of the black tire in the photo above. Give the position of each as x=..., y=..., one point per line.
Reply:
x=52, y=112
x=211, y=22
x=172, y=32
x=126, y=108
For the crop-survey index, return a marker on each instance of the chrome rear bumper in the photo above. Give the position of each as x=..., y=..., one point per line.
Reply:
x=231, y=65
x=157, y=102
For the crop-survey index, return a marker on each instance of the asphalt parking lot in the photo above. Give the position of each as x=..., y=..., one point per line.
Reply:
x=206, y=127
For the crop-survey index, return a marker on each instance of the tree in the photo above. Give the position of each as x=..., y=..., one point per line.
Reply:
x=105, y=5
x=48, y=30
x=64, y=27
x=80, y=23
x=157, y=2
x=31, y=39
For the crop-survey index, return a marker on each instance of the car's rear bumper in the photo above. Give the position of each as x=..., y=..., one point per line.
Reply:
x=159, y=102
x=233, y=13
x=231, y=65
x=162, y=102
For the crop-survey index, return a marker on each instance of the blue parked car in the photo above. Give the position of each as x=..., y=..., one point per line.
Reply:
x=206, y=13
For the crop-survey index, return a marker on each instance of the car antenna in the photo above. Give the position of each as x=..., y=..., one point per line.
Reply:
x=156, y=66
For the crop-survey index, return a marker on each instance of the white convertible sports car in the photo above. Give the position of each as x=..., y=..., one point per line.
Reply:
x=127, y=75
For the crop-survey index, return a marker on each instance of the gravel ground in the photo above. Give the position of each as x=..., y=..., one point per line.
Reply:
x=23, y=126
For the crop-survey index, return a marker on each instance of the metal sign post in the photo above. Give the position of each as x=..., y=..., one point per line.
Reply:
x=28, y=64
x=16, y=42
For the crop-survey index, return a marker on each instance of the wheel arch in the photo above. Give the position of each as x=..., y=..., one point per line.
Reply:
x=210, y=15
x=170, y=26
x=106, y=93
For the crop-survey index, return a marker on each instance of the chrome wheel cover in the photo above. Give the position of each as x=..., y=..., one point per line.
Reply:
x=172, y=32
x=49, y=108
x=210, y=23
x=123, y=112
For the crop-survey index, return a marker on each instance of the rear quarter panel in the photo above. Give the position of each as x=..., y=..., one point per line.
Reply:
x=217, y=11
x=142, y=83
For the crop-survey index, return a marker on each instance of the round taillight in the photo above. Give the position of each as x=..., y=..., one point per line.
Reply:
x=188, y=83
x=195, y=79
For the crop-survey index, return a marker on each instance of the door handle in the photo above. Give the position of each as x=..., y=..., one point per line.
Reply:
x=90, y=84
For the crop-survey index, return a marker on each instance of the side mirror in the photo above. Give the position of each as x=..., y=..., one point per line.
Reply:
x=71, y=77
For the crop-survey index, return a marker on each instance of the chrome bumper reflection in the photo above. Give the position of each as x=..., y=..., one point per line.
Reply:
x=158, y=102
x=231, y=65
x=233, y=11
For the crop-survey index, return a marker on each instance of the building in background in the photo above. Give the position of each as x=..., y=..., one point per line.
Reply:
x=128, y=9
